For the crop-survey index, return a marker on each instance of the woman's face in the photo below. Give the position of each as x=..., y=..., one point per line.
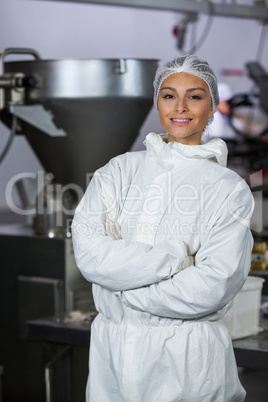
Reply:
x=184, y=106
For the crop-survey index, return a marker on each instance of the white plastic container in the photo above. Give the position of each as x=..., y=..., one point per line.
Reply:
x=243, y=318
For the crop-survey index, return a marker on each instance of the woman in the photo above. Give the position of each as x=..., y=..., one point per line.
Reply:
x=164, y=237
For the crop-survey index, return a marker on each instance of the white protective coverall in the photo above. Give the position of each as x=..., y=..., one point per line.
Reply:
x=157, y=337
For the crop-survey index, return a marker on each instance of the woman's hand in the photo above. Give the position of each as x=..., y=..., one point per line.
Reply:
x=113, y=229
x=190, y=262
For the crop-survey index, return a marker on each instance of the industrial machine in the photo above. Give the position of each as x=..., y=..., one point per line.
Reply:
x=248, y=116
x=248, y=147
x=76, y=115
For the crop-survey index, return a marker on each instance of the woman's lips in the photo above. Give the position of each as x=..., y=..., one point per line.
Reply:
x=180, y=122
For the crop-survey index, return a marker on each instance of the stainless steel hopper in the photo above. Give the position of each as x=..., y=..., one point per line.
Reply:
x=77, y=114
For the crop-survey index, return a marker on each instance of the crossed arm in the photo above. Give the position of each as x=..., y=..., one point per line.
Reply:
x=153, y=278
x=119, y=264
x=221, y=267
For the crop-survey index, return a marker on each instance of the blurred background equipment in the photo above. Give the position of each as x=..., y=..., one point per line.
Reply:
x=68, y=109
x=249, y=112
x=242, y=122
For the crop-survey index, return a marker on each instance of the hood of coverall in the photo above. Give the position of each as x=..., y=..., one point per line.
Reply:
x=215, y=149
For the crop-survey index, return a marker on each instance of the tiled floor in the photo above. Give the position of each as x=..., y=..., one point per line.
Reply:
x=255, y=383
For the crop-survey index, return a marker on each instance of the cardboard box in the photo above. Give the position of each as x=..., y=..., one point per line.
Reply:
x=243, y=318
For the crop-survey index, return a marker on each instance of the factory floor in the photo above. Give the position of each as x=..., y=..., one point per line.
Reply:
x=255, y=383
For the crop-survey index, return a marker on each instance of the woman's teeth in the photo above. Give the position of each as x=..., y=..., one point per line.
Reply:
x=181, y=120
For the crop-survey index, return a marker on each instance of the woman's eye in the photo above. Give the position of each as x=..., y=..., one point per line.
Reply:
x=168, y=96
x=195, y=97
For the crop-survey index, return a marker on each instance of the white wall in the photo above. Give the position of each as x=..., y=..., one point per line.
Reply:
x=80, y=30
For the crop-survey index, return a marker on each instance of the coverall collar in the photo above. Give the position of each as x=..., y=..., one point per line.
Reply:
x=214, y=149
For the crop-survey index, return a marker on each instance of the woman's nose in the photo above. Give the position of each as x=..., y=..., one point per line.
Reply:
x=181, y=106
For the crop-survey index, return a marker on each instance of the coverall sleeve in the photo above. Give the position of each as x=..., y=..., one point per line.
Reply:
x=221, y=267
x=118, y=264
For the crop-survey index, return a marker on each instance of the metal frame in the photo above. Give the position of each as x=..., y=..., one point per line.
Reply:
x=257, y=12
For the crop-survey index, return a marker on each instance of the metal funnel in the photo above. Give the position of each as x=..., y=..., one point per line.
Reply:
x=95, y=108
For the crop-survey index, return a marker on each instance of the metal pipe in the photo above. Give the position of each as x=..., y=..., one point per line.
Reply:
x=257, y=12
x=48, y=368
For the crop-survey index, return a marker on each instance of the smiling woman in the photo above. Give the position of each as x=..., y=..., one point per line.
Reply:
x=164, y=237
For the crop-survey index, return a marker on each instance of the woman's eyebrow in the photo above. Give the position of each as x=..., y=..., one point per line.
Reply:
x=196, y=89
x=169, y=88
x=187, y=90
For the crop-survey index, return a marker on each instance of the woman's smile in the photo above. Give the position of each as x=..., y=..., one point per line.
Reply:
x=180, y=122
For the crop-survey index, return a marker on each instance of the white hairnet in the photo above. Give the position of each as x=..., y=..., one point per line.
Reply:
x=192, y=65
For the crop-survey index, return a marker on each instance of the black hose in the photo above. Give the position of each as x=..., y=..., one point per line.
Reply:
x=10, y=138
